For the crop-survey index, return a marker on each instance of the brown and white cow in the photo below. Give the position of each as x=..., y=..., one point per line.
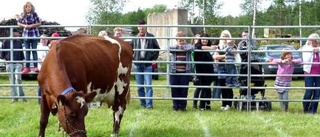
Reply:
x=77, y=70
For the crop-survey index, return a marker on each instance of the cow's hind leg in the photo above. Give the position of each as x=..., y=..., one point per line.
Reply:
x=44, y=116
x=118, y=111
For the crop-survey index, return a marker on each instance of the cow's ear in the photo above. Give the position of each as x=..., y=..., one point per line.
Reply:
x=62, y=99
x=89, y=96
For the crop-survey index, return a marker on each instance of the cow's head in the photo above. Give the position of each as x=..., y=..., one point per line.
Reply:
x=72, y=112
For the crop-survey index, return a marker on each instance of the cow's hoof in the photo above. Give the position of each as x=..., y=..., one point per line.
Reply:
x=114, y=135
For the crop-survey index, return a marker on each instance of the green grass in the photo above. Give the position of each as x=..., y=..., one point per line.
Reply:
x=22, y=119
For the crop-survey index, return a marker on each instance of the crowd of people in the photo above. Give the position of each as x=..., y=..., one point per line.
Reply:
x=220, y=57
x=224, y=56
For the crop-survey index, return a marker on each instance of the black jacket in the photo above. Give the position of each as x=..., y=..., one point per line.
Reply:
x=17, y=55
x=149, y=55
x=203, y=57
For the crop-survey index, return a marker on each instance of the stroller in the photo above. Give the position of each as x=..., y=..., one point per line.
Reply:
x=256, y=69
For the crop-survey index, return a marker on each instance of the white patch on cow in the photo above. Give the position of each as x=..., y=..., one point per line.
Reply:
x=108, y=96
x=81, y=101
x=89, y=87
x=118, y=113
x=120, y=83
x=113, y=41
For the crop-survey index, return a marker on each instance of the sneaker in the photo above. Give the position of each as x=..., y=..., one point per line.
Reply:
x=14, y=101
x=26, y=71
x=36, y=70
x=227, y=107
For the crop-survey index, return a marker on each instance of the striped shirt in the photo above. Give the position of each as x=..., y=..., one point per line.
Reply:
x=230, y=57
x=30, y=18
x=181, y=57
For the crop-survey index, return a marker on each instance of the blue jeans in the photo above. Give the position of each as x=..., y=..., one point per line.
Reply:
x=144, y=79
x=311, y=94
x=31, y=44
x=16, y=91
x=216, y=92
x=39, y=94
x=284, y=96
x=231, y=69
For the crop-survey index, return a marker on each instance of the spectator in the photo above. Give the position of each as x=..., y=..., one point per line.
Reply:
x=181, y=56
x=197, y=91
x=117, y=32
x=103, y=33
x=43, y=50
x=140, y=44
x=204, y=44
x=56, y=35
x=243, y=45
x=231, y=51
x=311, y=55
x=219, y=56
x=30, y=21
x=14, y=67
x=216, y=92
x=286, y=65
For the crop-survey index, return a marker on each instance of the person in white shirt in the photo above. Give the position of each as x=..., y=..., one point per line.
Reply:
x=43, y=49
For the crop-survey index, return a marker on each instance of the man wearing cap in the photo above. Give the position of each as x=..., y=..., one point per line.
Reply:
x=14, y=67
x=140, y=44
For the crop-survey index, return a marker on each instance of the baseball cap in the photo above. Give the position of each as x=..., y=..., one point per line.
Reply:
x=55, y=34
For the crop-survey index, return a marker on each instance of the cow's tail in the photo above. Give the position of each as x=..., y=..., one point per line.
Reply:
x=128, y=96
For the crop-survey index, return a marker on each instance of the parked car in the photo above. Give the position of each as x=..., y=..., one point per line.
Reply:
x=267, y=54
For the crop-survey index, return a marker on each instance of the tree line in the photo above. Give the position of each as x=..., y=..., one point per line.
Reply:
x=279, y=13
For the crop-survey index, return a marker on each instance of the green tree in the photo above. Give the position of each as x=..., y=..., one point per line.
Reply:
x=105, y=12
x=208, y=13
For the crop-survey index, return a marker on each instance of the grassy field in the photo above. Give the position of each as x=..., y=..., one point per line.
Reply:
x=22, y=119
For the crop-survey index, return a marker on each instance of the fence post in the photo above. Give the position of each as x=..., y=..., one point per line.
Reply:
x=249, y=100
x=168, y=60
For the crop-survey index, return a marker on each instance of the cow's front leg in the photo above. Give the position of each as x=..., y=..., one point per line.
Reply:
x=44, y=117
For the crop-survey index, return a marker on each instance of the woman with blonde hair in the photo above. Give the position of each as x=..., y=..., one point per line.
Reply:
x=311, y=55
x=219, y=56
x=30, y=21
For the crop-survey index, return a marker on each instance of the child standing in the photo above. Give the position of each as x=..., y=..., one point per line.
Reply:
x=181, y=54
x=286, y=65
x=231, y=51
x=42, y=52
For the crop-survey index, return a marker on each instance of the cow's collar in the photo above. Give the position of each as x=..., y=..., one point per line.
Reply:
x=67, y=90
